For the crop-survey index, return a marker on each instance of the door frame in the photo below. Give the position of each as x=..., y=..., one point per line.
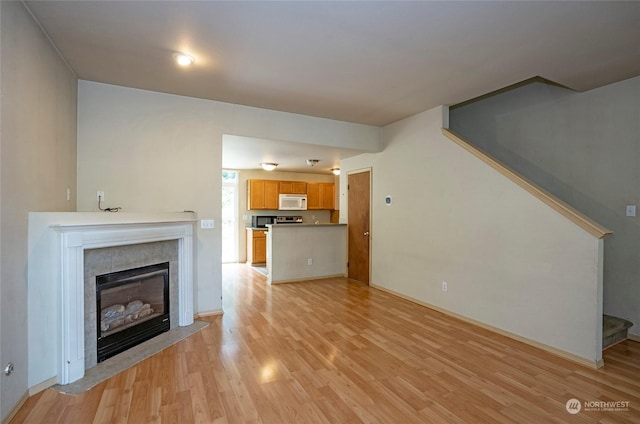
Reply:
x=236, y=207
x=360, y=171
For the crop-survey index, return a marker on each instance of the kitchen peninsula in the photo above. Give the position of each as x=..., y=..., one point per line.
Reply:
x=306, y=251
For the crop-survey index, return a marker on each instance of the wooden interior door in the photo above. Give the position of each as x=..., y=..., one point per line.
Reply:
x=359, y=211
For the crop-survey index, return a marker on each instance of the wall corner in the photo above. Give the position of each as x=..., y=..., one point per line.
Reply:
x=445, y=116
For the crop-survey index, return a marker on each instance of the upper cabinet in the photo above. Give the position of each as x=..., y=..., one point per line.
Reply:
x=321, y=196
x=262, y=194
x=293, y=187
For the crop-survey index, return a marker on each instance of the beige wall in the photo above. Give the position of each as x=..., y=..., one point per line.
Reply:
x=38, y=164
x=307, y=216
x=163, y=153
x=585, y=149
x=290, y=247
x=510, y=261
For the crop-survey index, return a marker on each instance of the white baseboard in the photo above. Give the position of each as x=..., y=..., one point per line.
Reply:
x=208, y=313
x=30, y=392
x=16, y=408
x=566, y=355
x=42, y=386
x=299, y=280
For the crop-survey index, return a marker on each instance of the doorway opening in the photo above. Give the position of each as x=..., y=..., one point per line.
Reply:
x=229, y=216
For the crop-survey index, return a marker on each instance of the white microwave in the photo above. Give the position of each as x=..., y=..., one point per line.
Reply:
x=293, y=202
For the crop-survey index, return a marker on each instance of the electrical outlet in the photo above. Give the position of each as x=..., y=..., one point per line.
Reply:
x=309, y=261
x=444, y=286
x=100, y=195
x=68, y=194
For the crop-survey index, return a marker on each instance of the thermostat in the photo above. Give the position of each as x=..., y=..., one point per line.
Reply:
x=387, y=200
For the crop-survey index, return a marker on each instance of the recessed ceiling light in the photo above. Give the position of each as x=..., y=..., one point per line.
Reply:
x=184, y=59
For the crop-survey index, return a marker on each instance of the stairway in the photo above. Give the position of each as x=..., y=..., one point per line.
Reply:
x=614, y=330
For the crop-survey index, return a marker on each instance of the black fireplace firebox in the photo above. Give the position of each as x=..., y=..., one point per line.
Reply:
x=132, y=307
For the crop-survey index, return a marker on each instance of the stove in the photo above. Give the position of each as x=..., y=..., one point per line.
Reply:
x=288, y=220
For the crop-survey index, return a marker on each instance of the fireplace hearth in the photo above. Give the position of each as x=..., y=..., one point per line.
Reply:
x=133, y=307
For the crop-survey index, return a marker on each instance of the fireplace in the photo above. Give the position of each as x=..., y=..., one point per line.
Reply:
x=67, y=252
x=133, y=306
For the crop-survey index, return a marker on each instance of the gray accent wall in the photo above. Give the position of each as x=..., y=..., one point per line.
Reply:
x=585, y=149
x=38, y=165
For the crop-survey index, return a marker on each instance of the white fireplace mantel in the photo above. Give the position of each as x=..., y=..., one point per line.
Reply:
x=71, y=240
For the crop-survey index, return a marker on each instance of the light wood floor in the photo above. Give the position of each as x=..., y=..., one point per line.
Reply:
x=335, y=351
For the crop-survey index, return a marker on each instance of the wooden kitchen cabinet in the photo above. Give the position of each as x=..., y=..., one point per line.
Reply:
x=321, y=196
x=256, y=246
x=327, y=196
x=293, y=187
x=313, y=196
x=262, y=194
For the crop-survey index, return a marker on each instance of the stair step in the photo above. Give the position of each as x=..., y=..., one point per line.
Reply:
x=614, y=330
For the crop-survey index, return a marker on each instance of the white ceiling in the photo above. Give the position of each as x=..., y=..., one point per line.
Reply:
x=370, y=62
x=247, y=153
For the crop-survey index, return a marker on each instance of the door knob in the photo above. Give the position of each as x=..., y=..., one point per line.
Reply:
x=366, y=233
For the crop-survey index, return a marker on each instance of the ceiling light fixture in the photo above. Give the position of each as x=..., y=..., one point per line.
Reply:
x=336, y=171
x=312, y=162
x=268, y=166
x=184, y=59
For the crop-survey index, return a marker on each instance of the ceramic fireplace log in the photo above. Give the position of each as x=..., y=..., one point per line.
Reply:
x=124, y=318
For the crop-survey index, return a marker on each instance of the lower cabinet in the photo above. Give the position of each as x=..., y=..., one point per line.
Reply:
x=256, y=246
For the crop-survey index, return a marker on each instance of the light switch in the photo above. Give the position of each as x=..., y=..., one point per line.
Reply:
x=631, y=210
x=207, y=224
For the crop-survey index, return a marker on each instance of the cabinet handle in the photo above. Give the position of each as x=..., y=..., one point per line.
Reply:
x=366, y=233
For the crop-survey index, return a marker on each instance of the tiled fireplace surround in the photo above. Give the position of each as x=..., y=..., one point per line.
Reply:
x=120, y=258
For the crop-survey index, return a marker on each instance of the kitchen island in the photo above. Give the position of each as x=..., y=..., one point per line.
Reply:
x=298, y=252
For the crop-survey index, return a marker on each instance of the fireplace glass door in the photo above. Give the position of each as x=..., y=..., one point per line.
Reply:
x=133, y=306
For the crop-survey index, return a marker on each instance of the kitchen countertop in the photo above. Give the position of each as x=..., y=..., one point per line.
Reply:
x=328, y=224
x=306, y=224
